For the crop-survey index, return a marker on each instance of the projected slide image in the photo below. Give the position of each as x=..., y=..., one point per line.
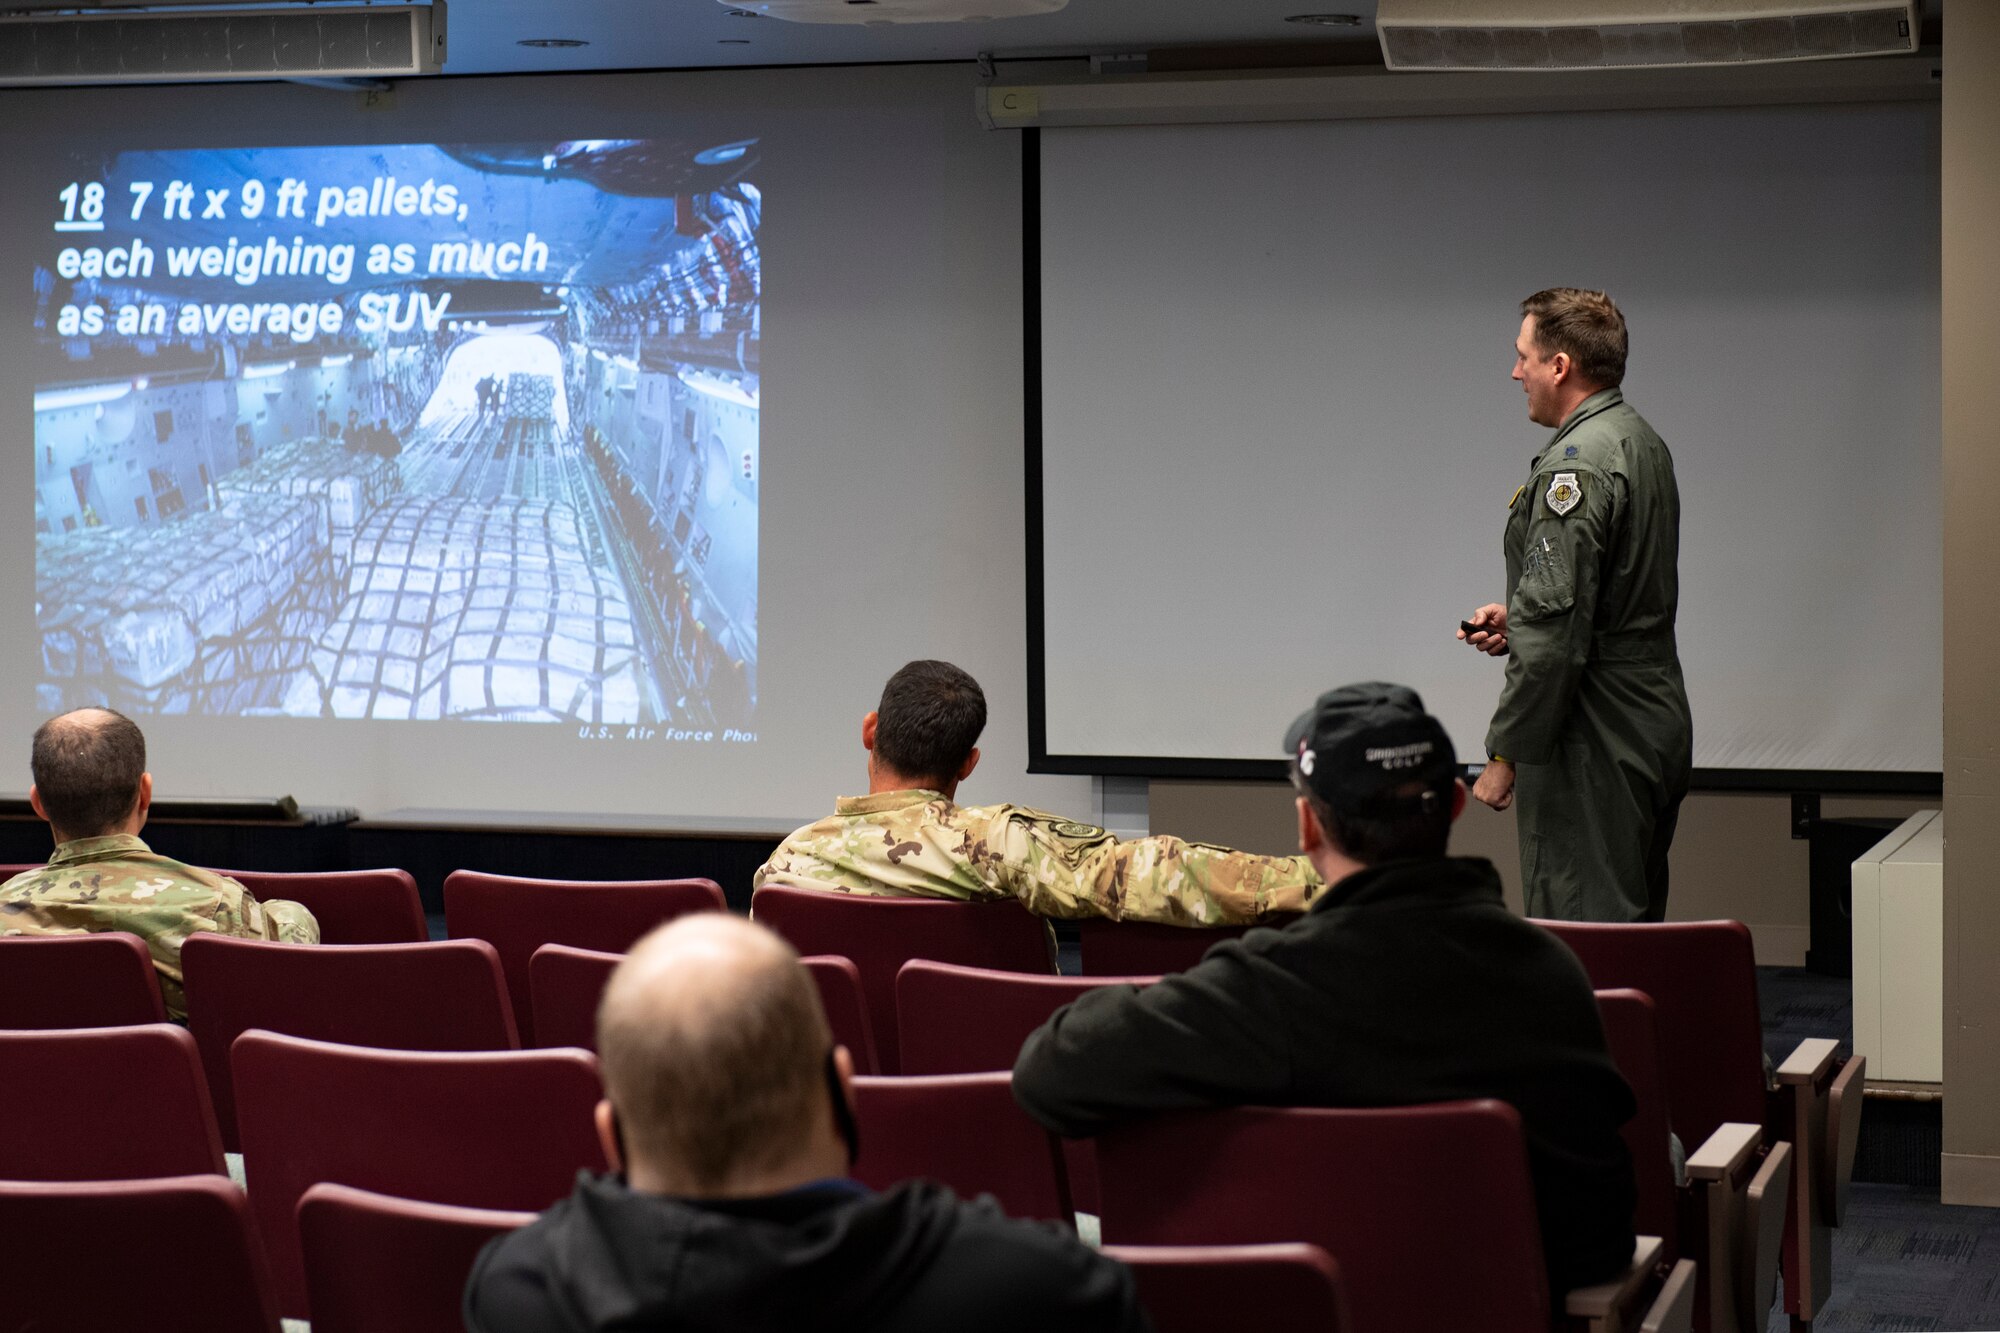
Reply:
x=402, y=432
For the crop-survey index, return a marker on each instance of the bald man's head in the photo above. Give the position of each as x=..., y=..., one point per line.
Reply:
x=714, y=1052
x=88, y=765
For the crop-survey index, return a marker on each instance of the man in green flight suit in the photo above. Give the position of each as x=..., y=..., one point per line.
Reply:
x=1592, y=731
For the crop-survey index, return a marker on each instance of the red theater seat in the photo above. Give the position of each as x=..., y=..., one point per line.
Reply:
x=505, y=1130
x=1702, y=978
x=964, y=1130
x=1428, y=1209
x=1199, y=1288
x=1150, y=949
x=176, y=1255
x=376, y=1264
x=519, y=916
x=78, y=981
x=105, y=1104
x=351, y=906
x=878, y=935
x=442, y=995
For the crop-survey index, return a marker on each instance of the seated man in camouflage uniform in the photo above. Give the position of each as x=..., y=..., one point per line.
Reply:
x=92, y=787
x=907, y=838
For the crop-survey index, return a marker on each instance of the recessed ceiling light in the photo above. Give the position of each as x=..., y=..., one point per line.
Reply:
x=551, y=43
x=1326, y=20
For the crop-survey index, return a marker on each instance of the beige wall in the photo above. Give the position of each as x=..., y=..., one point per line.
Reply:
x=1734, y=855
x=1971, y=172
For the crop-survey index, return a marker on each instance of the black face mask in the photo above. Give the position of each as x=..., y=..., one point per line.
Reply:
x=836, y=1093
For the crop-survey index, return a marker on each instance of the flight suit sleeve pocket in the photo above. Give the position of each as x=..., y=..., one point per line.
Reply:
x=1548, y=582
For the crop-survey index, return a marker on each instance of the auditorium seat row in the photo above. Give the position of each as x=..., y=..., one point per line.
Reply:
x=1429, y=1208
x=378, y=1264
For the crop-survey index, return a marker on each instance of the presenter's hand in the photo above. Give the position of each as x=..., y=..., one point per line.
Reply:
x=1496, y=784
x=1489, y=634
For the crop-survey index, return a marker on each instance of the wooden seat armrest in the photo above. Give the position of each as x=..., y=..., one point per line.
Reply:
x=1809, y=1061
x=1843, y=1136
x=1724, y=1153
x=1603, y=1301
x=1672, y=1310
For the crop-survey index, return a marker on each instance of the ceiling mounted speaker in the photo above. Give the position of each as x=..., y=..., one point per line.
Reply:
x=377, y=42
x=1521, y=35
x=895, y=11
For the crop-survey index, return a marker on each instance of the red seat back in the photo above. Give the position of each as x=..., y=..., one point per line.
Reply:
x=1427, y=1209
x=1198, y=1288
x=519, y=916
x=1151, y=949
x=444, y=995
x=567, y=984
x=351, y=906
x=965, y=1130
x=1702, y=977
x=105, y=1104
x=501, y=1129
x=965, y=1020
x=376, y=1264
x=880, y=934
x=1632, y=1033
x=838, y=981
x=78, y=981
x=176, y=1255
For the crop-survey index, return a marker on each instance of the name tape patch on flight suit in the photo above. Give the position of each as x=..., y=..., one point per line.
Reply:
x=1563, y=493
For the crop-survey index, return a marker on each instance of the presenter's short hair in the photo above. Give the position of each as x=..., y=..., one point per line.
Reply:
x=87, y=764
x=929, y=719
x=1585, y=325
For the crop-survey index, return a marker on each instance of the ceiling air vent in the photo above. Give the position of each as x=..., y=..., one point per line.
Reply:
x=173, y=47
x=1520, y=35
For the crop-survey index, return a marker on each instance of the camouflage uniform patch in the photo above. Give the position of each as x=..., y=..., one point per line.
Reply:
x=117, y=883
x=918, y=844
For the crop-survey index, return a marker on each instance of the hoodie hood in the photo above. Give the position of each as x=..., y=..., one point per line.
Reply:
x=833, y=1252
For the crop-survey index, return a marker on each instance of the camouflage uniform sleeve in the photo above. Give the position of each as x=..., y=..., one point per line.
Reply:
x=239, y=913
x=1551, y=610
x=1060, y=868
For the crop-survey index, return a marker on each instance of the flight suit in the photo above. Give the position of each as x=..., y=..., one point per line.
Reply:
x=1594, y=714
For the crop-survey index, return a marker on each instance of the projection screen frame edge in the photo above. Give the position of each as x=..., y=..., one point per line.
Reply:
x=1849, y=782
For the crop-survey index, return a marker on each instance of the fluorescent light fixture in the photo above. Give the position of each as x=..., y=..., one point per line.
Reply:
x=54, y=400
x=328, y=362
x=267, y=369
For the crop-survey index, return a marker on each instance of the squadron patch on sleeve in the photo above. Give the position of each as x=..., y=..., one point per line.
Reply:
x=1563, y=493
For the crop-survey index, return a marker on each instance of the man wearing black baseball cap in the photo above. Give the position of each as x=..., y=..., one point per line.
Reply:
x=1406, y=981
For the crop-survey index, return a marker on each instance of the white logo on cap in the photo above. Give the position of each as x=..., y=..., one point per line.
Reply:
x=1401, y=756
x=1305, y=761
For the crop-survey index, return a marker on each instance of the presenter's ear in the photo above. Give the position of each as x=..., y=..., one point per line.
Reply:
x=1457, y=798
x=1311, y=836
x=971, y=762
x=868, y=732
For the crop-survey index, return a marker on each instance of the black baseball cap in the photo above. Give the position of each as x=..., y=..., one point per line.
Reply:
x=1359, y=744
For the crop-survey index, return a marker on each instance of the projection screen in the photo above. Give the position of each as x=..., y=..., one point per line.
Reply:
x=1278, y=437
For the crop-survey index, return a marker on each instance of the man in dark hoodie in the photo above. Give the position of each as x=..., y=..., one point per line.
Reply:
x=728, y=1115
x=1407, y=981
